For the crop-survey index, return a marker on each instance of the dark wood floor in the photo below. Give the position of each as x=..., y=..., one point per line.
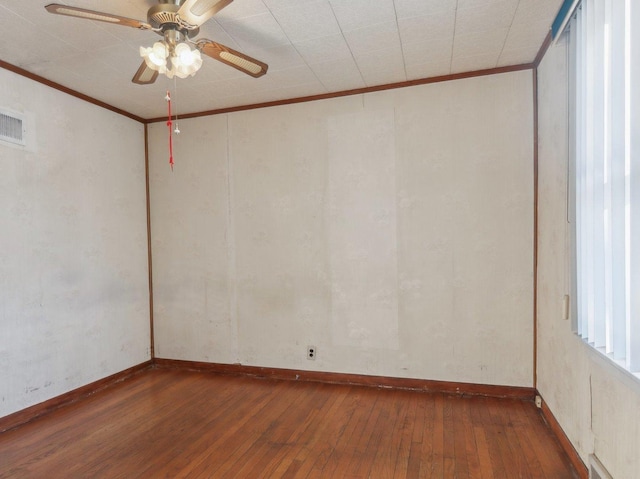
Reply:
x=166, y=423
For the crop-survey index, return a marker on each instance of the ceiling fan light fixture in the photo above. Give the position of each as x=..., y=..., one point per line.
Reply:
x=180, y=61
x=185, y=61
x=159, y=53
x=185, y=55
x=155, y=57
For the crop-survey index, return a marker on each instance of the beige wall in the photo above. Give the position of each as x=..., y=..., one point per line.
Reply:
x=74, y=303
x=596, y=404
x=391, y=230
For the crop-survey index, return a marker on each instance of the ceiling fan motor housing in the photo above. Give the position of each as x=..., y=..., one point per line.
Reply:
x=165, y=17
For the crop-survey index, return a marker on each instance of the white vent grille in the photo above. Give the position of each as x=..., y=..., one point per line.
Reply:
x=597, y=470
x=12, y=128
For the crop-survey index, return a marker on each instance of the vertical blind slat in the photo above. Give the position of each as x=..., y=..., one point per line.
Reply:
x=598, y=165
x=617, y=153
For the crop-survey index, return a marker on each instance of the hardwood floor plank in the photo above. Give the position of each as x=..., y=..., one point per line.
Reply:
x=279, y=439
x=416, y=453
x=436, y=469
x=403, y=443
x=484, y=459
x=323, y=430
x=361, y=442
x=384, y=463
x=448, y=442
x=61, y=438
x=292, y=470
x=213, y=416
x=373, y=438
x=531, y=467
x=510, y=451
x=431, y=451
x=164, y=437
x=235, y=452
x=541, y=437
x=460, y=456
x=342, y=426
x=470, y=447
x=292, y=461
x=339, y=461
x=167, y=438
x=187, y=424
x=481, y=418
x=229, y=429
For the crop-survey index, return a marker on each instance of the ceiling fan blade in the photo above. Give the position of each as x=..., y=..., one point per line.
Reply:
x=98, y=16
x=144, y=75
x=196, y=12
x=237, y=60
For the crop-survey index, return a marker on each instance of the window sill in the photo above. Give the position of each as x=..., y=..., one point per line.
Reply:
x=617, y=367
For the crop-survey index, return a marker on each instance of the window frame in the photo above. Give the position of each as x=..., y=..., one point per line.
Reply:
x=596, y=31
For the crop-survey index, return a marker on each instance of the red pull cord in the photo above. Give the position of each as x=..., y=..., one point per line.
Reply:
x=169, y=124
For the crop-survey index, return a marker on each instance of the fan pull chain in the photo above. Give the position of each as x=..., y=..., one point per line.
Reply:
x=169, y=123
x=175, y=101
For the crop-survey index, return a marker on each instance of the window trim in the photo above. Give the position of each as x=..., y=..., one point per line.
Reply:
x=596, y=291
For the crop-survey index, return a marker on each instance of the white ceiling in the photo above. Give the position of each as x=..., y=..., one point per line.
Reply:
x=311, y=46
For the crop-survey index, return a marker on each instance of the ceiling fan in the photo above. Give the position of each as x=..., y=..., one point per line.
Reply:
x=177, y=21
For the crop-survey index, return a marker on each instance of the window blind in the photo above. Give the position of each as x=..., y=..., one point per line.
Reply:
x=604, y=38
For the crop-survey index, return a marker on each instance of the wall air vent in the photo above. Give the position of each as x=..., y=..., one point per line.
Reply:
x=12, y=128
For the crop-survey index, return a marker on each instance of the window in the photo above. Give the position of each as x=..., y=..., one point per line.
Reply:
x=604, y=38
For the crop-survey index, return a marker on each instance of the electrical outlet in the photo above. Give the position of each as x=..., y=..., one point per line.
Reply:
x=311, y=353
x=538, y=402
